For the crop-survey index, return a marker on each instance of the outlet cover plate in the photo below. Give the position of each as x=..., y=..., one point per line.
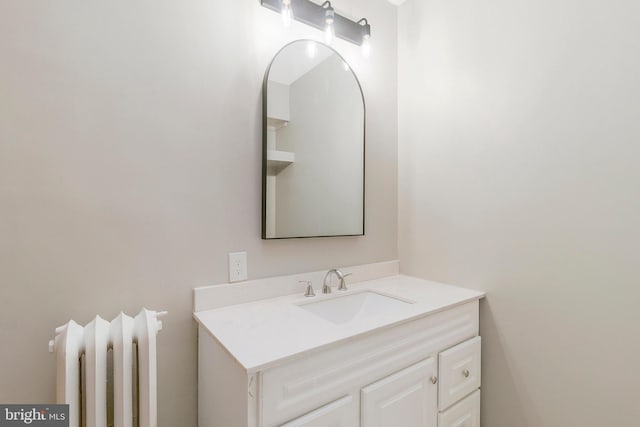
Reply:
x=237, y=266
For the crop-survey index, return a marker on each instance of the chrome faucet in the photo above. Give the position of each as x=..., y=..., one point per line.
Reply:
x=326, y=287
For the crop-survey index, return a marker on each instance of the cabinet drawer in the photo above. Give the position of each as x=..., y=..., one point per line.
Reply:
x=459, y=369
x=463, y=414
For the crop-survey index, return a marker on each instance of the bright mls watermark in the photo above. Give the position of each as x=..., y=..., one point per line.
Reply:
x=34, y=415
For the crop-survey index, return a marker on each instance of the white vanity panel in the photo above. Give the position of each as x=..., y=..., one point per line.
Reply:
x=341, y=413
x=406, y=398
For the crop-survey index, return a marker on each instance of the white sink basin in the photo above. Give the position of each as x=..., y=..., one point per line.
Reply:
x=345, y=308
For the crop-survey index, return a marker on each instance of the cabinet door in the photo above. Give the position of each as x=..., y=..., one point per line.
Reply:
x=340, y=413
x=407, y=398
x=465, y=413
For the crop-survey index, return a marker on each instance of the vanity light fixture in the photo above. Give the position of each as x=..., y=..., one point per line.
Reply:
x=323, y=17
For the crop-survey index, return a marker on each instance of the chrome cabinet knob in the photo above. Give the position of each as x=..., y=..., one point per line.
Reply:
x=434, y=379
x=465, y=373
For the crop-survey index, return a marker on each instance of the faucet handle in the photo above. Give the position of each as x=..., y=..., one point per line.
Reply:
x=343, y=282
x=309, y=292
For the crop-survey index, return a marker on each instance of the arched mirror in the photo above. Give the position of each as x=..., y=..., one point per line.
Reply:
x=313, y=145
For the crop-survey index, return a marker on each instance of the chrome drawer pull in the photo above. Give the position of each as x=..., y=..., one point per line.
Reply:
x=466, y=373
x=434, y=380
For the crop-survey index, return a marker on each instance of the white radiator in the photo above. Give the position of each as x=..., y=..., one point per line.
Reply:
x=83, y=376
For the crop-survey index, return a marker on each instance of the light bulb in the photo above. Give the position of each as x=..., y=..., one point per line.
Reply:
x=311, y=50
x=366, y=36
x=329, y=31
x=286, y=12
x=366, y=46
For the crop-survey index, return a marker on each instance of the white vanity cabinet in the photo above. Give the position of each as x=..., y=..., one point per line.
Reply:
x=422, y=372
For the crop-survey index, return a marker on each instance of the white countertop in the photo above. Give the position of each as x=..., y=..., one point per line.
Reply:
x=265, y=333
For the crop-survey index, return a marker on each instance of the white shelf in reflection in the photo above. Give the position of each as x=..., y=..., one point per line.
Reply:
x=278, y=160
x=276, y=123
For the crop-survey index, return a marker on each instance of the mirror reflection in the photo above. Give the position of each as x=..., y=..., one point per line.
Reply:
x=313, y=145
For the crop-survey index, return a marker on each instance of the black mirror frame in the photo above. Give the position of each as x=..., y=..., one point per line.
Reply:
x=264, y=147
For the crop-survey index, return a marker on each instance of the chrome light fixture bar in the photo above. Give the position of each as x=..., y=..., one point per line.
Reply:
x=315, y=15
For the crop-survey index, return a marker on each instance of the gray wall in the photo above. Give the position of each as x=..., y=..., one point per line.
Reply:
x=321, y=192
x=518, y=158
x=130, y=154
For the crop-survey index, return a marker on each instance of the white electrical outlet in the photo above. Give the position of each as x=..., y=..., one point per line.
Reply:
x=237, y=266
